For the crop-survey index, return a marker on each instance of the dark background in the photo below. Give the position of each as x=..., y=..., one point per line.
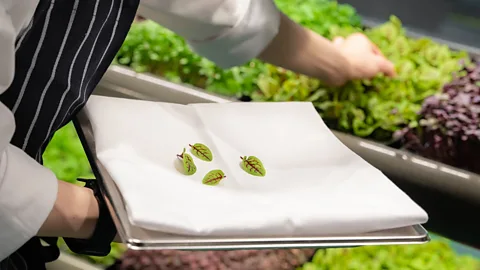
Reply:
x=452, y=20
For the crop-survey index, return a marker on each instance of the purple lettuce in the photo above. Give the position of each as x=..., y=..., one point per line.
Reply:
x=449, y=127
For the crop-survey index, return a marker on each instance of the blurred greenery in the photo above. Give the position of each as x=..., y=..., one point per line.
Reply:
x=436, y=255
x=66, y=157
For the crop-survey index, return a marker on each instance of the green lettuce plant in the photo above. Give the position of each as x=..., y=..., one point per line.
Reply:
x=436, y=255
x=152, y=48
x=325, y=17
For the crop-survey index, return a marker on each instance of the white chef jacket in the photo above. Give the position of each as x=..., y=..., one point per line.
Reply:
x=228, y=32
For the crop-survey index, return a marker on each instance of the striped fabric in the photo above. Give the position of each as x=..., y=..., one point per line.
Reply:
x=60, y=58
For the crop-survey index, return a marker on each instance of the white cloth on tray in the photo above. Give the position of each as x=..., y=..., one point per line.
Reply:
x=314, y=185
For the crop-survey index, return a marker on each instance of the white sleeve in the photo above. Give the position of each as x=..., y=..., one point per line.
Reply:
x=27, y=190
x=228, y=32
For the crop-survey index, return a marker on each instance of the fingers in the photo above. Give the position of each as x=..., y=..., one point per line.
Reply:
x=363, y=39
x=338, y=41
x=375, y=49
x=368, y=51
x=386, y=67
x=384, y=64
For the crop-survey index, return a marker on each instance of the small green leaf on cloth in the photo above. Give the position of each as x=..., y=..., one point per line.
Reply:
x=189, y=166
x=202, y=152
x=253, y=166
x=213, y=177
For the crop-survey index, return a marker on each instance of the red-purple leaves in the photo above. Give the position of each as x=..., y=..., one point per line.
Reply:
x=456, y=113
x=449, y=128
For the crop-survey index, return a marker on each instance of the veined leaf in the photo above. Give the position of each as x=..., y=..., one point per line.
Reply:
x=253, y=166
x=189, y=166
x=201, y=151
x=213, y=177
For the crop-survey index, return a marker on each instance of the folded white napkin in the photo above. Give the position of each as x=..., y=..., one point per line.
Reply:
x=314, y=185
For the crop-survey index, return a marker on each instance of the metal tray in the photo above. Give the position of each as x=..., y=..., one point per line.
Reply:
x=141, y=239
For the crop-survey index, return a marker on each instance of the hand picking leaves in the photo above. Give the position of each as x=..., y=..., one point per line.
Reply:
x=201, y=151
x=213, y=177
x=188, y=164
x=253, y=166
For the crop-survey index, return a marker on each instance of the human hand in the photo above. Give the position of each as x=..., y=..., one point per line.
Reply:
x=366, y=60
x=74, y=214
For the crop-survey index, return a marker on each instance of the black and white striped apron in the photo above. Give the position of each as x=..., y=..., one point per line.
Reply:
x=60, y=58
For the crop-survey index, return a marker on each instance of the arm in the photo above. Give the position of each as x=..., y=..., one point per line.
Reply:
x=304, y=51
x=29, y=204
x=231, y=32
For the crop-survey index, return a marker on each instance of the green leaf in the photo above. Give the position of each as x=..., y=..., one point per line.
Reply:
x=188, y=163
x=213, y=177
x=201, y=151
x=253, y=166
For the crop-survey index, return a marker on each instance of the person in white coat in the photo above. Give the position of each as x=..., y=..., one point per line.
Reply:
x=54, y=52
